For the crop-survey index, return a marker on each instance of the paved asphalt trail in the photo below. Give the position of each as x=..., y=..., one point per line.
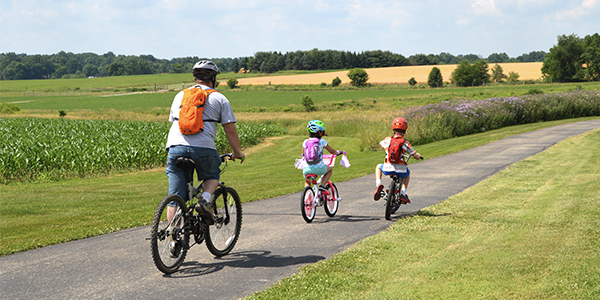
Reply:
x=275, y=241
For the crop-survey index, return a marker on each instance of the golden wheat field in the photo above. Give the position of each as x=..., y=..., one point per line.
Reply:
x=392, y=74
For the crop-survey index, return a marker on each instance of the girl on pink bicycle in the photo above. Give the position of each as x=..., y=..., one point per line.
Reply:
x=313, y=153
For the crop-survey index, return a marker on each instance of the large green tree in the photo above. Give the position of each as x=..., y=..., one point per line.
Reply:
x=564, y=62
x=467, y=74
x=358, y=77
x=498, y=73
x=591, y=57
x=435, y=78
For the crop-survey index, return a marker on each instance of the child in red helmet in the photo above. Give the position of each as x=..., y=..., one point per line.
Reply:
x=397, y=152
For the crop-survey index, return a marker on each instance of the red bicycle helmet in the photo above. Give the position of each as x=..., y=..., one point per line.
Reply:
x=399, y=123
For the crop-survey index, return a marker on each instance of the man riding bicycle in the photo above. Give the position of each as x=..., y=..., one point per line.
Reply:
x=200, y=147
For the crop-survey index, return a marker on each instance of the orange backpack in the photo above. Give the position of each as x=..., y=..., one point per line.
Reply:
x=191, y=110
x=395, y=150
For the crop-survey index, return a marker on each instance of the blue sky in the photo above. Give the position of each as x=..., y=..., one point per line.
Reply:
x=178, y=28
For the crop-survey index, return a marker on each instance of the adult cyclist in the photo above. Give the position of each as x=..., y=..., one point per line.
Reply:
x=201, y=147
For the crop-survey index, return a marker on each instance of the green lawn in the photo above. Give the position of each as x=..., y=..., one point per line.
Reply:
x=60, y=94
x=530, y=232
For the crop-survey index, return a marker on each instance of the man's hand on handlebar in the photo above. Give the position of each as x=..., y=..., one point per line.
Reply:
x=240, y=156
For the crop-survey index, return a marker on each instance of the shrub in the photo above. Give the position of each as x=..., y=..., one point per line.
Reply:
x=308, y=103
x=412, y=81
x=448, y=119
x=8, y=108
x=336, y=82
x=232, y=82
x=358, y=77
x=513, y=77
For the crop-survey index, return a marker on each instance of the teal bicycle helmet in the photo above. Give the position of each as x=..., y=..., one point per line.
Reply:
x=315, y=126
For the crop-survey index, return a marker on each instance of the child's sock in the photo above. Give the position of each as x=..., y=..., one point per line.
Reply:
x=403, y=191
x=377, y=182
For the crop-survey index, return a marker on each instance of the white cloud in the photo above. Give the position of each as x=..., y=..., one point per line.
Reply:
x=485, y=7
x=584, y=9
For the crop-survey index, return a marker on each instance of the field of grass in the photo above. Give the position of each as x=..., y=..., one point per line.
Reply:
x=155, y=106
x=174, y=81
x=528, y=232
x=43, y=213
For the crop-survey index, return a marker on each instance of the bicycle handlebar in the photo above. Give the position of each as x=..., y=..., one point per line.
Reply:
x=226, y=156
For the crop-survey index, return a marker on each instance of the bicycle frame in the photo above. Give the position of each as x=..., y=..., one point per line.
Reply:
x=170, y=240
x=315, y=187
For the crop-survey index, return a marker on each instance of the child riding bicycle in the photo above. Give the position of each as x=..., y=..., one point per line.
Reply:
x=397, y=152
x=313, y=153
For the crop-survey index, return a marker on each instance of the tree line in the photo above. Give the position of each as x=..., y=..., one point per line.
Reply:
x=572, y=59
x=69, y=65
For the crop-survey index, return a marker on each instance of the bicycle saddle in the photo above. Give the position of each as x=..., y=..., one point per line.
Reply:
x=185, y=163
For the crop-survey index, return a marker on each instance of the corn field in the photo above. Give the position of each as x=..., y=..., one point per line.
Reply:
x=52, y=149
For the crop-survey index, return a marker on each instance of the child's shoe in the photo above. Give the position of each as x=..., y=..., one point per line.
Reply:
x=378, y=192
x=404, y=199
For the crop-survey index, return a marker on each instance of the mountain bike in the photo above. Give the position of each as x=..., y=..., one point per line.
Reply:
x=312, y=197
x=170, y=235
x=392, y=195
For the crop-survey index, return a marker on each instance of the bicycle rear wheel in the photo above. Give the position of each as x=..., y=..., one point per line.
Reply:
x=391, y=198
x=308, y=204
x=225, y=232
x=331, y=205
x=169, y=242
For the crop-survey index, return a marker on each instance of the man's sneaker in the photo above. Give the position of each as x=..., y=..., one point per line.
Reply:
x=378, y=192
x=206, y=211
x=175, y=247
x=404, y=199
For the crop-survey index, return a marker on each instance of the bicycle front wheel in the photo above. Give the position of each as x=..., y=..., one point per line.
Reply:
x=331, y=206
x=168, y=240
x=225, y=232
x=308, y=204
x=391, y=198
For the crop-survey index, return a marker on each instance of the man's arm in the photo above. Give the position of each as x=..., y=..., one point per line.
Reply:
x=234, y=140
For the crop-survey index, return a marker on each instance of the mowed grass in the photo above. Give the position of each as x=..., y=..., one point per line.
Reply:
x=45, y=213
x=531, y=231
x=155, y=106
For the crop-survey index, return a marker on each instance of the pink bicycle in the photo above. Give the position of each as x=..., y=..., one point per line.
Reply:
x=312, y=197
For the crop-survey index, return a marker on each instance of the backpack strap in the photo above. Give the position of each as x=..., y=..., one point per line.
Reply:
x=208, y=92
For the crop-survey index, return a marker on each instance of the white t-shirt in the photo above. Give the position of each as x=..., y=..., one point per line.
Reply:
x=217, y=107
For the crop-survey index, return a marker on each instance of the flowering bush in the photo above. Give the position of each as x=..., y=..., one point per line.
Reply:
x=450, y=119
